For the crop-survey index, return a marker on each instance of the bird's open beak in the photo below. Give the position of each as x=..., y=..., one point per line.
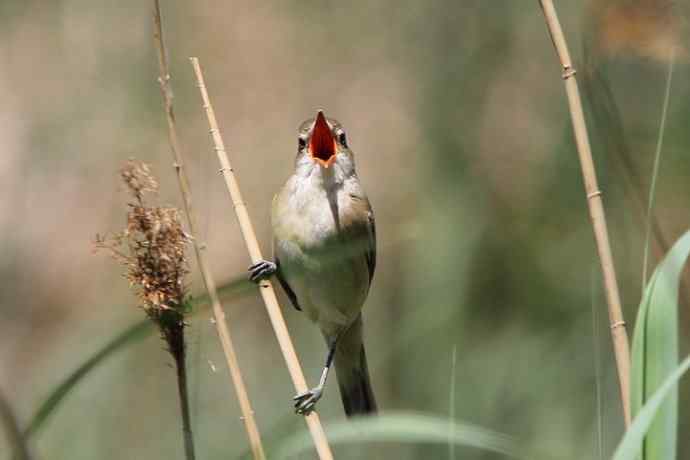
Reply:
x=322, y=143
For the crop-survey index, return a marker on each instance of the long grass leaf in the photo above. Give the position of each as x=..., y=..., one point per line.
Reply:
x=127, y=337
x=133, y=333
x=8, y=421
x=655, y=349
x=631, y=444
x=404, y=428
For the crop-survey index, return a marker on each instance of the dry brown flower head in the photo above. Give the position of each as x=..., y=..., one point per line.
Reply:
x=152, y=248
x=138, y=178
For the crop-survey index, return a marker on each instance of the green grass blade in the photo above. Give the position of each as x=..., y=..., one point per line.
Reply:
x=129, y=336
x=655, y=350
x=630, y=446
x=403, y=428
x=133, y=333
x=8, y=421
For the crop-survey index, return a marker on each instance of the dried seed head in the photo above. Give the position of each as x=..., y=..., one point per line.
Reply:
x=152, y=248
x=138, y=178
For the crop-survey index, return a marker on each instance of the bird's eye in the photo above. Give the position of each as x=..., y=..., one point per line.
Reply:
x=301, y=143
x=342, y=139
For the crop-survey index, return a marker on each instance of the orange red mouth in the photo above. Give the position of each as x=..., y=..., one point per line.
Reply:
x=322, y=143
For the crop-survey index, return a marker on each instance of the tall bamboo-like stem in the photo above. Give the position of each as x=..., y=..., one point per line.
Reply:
x=596, y=207
x=218, y=313
x=266, y=288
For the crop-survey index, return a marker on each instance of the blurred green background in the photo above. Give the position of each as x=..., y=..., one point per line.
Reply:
x=457, y=115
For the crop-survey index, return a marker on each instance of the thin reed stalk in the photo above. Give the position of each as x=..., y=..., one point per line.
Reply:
x=183, y=181
x=266, y=288
x=182, y=390
x=655, y=172
x=596, y=208
x=152, y=248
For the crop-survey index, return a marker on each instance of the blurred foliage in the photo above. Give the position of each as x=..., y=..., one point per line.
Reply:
x=404, y=428
x=457, y=117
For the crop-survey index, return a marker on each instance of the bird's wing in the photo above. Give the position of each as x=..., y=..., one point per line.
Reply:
x=360, y=221
x=279, y=272
x=371, y=243
x=286, y=287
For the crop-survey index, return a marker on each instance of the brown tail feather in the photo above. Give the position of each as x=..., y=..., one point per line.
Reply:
x=355, y=390
x=353, y=374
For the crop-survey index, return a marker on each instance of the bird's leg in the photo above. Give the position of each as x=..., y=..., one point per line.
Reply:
x=305, y=402
x=262, y=270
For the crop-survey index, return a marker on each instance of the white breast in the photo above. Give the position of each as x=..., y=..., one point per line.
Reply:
x=330, y=281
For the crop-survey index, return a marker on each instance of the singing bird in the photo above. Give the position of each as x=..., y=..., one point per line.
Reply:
x=325, y=254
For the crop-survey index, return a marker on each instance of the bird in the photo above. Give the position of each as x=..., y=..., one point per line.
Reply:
x=324, y=256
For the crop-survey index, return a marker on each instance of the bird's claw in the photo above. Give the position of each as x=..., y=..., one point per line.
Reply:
x=262, y=270
x=305, y=402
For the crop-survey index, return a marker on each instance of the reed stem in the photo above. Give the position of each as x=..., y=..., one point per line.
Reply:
x=218, y=313
x=265, y=286
x=655, y=171
x=619, y=335
x=184, y=405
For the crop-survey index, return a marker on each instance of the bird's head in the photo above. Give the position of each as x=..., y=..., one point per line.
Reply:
x=322, y=142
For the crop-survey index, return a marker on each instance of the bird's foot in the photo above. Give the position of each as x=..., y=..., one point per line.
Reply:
x=305, y=402
x=262, y=270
